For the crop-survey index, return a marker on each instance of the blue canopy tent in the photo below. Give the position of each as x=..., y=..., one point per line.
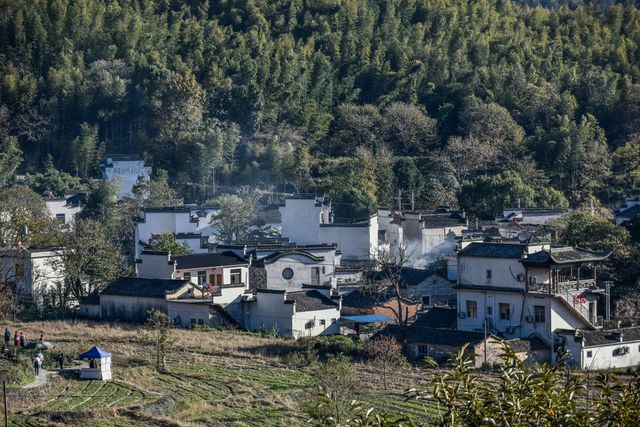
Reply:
x=102, y=372
x=95, y=353
x=369, y=318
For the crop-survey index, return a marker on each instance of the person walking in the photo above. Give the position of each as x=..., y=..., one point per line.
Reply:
x=16, y=339
x=23, y=340
x=7, y=336
x=36, y=366
x=61, y=360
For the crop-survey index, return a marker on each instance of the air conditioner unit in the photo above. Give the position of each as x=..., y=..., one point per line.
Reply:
x=529, y=319
x=462, y=314
x=520, y=277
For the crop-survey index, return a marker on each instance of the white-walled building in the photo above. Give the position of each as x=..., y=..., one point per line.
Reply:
x=64, y=209
x=306, y=313
x=431, y=235
x=530, y=216
x=36, y=273
x=124, y=170
x=629, y=209
x=602, y=349
x=190, y=225
x=307, y=219
x=519, y=290
x=390, y=228
x=223, y=276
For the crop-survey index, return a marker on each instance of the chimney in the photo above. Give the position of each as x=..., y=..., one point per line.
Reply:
x=244, y=250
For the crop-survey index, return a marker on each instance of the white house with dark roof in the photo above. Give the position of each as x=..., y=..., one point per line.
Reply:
x=629, y=209
x=602, y=349
x=64, y=208
x=189, y=224
x=124, y=170
x=36, y=273
x=307, y=219
x=310, y=312
x=520, y=290
x=431, y=234
x=223, y=276
x=530, y=216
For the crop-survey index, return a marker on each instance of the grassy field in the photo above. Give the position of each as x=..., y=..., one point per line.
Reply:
x=213, y=378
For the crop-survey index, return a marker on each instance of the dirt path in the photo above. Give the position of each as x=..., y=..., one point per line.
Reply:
x=43, y=378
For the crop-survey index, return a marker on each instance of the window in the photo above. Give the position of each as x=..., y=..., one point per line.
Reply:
x=323, y=270
x=589, y=353
x=426, y=300
x=315, y=275
x=60, y=218
x=236, y=276
x=423, y=349
x=505, y=312
x=202, y=277
x=186, y=275
x=489, y=274
x=472, y=308
x=323, y=322
x=287, y=273
x=193, y=322
x=489, y=310
x=540, y=313
x=200, y=322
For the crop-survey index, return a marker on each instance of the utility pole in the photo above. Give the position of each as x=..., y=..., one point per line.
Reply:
x=608, y=300
x=4, y=397
x=413, y=201
x=399, y=200
x=485, y=340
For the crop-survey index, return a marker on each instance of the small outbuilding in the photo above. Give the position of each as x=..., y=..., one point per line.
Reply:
x=99, y=367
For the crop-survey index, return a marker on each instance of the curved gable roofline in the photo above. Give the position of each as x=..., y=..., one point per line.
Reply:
x=277, y=255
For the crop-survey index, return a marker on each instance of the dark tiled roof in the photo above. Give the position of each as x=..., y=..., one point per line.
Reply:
x=185, y=262
x=629, y=213
x=489, y=288
x=608, y=337
x=279, y=254
x=435, y=336
x=139, y=287
x=566, y=255
x=448, y=219
x=311, y=300
x=92, y=299
x=367, y=298
x=493, y=250
x=532, y=343
x=437, y=317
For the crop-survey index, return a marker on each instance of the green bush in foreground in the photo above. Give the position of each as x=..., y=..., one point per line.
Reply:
x=549, y=395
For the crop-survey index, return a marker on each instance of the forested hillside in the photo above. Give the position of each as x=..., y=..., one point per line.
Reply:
x=470, y=102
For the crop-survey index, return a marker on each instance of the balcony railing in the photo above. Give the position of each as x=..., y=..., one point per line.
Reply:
x=564, y=286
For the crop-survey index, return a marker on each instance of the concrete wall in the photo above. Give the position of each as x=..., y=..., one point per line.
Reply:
x=602, y=357
x=59, y=206
x=36, y=273
x=226, y=274
x=302, y=272
x=269, y=310
x=129, y=309
x=440, y=291
x=438, y=241
x=155, y=266
x=300, y=219
x=124, y=174
x=442, y=353
x=504, y=272
x=182, y=313
x=354, y=241
x=321, y=322
x=90, y=311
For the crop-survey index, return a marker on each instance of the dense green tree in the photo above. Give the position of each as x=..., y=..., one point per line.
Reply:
x=166, y=242
x=53, y=180
x=84, y=151
x=487, y=196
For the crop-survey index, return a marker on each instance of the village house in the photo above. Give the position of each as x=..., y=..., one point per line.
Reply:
x=427, y=286
x=64, y=209
x=189, y=224
x=310, y=312
x=124, y=171
x=372, y=302
x=628, y=210
x=433, y=334
x=390, y=228
x=307, y=219
x=36, y=273
x=530, y=216
x=601, y=349
x=522, y=290
x=431, y=234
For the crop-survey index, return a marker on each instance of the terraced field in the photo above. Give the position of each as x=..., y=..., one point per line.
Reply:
x=212, y=379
